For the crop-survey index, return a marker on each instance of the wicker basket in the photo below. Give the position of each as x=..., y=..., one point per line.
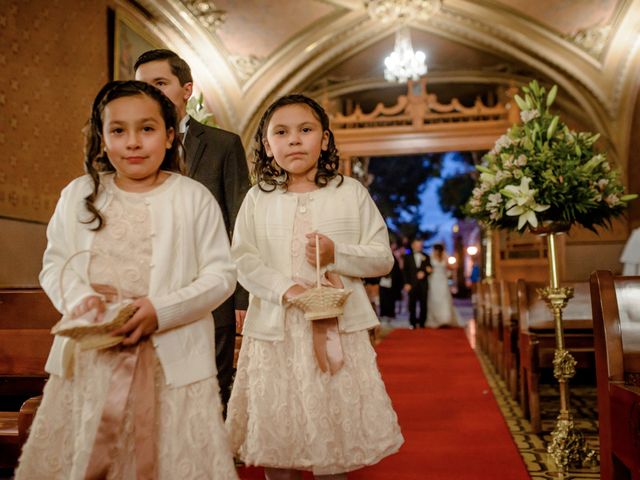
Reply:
x=321, y=302
x=92, y=335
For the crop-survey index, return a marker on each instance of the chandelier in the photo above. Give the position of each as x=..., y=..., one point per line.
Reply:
x=403, y=63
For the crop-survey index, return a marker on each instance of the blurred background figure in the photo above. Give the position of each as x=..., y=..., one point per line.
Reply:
x=391, y=289
x=441, y=310
x=416, y=270
x=630, y=257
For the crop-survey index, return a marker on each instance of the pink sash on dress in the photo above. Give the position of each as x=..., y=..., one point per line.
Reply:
x=326, y=337
x=133, y=373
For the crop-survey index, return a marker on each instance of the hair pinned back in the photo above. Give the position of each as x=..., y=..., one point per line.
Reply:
x=268, y=174
x=96, y=161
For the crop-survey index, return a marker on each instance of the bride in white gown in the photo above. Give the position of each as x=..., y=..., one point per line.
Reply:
x=440, y=309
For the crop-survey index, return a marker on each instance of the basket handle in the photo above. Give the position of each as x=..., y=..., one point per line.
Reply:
x=317, y=260
x=61, y=279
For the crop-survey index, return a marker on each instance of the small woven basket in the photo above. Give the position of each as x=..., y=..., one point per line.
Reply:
x=321, y=302
x=91, y=335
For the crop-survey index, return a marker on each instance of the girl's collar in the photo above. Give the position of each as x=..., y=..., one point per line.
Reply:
x=108, y=181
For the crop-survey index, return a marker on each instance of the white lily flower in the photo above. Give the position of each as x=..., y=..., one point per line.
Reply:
x=521, y=161
x=488, y=178
x=529, y=115
x=522, y=203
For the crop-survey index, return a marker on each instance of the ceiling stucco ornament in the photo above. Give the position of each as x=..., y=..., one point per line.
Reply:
x=246, y=66
x=401, y=10
x=592, y=40
x=206, y=12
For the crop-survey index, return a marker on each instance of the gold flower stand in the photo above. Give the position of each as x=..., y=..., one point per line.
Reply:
x=568, y=446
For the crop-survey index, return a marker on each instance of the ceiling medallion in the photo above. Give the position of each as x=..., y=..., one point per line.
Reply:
x=206, y=12
x=401, y=10
x=403, y=63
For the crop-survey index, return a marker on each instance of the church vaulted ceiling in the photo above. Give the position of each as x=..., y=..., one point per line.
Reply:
x=245, y=53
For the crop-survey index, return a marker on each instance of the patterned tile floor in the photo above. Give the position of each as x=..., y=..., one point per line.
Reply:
x=532, y=447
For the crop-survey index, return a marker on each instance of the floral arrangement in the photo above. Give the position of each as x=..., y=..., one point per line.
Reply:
x=197, y=110
x=541, y=171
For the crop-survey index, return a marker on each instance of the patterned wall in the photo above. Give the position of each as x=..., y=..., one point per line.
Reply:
x=53, y=60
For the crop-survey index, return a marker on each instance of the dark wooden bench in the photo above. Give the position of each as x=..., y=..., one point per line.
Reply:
x=494, y=326
x=483, y=314
x=509, y=325
x=26, y=317
x=537, y=342
x=616, y=324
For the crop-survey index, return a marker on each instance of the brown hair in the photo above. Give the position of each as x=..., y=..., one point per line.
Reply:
x=95, y=159
x=266, y=171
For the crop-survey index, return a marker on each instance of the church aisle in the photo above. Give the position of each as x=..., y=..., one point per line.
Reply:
x=452, y=426
x=451, y=422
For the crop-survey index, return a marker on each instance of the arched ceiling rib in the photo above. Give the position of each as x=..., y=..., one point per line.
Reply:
x=590, y=48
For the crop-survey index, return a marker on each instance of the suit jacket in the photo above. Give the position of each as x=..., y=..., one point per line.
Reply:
x=410, y=270
x=216, y=158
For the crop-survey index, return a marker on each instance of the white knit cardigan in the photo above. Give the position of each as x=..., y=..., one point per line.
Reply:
x=261, y=247
x=191, y=271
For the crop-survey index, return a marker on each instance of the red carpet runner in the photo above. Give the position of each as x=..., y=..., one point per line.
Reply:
x=452, y=427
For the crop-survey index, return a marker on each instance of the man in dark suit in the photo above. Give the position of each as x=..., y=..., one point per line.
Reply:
x=416, y=270
x=216, y=159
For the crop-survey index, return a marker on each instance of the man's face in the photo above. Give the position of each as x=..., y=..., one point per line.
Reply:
x=416, y=245
x=158, y=73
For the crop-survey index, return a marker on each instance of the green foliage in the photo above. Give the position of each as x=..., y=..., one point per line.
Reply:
x=455, y=192
x=397, y=185
x=197, y=110
x=540, y=171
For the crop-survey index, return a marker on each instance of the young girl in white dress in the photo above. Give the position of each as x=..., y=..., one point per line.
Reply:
x=441, y=311
x=148, y=408
x=307, y=395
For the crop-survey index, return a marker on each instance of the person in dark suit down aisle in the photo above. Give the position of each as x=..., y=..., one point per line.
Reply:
x=416, y=270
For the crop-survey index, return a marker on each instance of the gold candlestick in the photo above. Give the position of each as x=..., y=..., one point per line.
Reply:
x=568, y=446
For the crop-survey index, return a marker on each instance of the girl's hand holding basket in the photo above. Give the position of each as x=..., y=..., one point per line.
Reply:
x=142, y=324
x=326, y=250
x=94, y=323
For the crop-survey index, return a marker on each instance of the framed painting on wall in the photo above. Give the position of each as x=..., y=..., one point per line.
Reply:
x=130, y=40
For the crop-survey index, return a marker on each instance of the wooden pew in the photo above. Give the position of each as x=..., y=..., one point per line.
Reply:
x=509, y=324
x=616, y=325
x=537, y=340
x=494, y=326
x=483, y=315
x=26, y=316
x=476, y=302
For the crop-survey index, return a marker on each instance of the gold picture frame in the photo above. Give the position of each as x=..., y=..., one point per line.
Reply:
x=130, y=40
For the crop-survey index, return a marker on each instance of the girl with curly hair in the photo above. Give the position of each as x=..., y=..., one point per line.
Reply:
x=307, y=394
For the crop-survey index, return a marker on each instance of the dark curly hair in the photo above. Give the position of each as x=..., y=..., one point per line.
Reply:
x=268, y=173
x=95, y=159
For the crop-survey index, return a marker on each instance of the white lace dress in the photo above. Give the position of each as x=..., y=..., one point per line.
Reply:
x=440, y=309
x=285, y=412
x=191, y=441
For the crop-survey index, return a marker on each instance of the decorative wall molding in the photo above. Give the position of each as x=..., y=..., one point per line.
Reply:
x=419, y=123
x=592, y=40
x=206, y=12
x=246, y=66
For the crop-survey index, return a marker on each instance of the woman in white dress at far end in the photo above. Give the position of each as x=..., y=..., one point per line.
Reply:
x=441, y=312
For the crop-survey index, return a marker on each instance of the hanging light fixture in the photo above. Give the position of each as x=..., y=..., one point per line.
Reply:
x=403, y=63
